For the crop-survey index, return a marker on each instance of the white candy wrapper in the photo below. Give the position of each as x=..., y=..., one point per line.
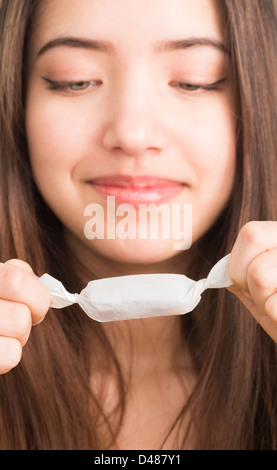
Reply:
x=138, y=296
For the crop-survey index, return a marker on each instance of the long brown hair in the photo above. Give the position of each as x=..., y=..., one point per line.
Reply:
x=47, y=401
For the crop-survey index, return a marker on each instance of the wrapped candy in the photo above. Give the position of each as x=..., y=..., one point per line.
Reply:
x=138, y=296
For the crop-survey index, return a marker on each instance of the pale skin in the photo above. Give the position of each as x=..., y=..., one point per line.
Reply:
x=131, y=117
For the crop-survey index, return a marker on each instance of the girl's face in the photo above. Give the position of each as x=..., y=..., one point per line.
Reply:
x=130, y=99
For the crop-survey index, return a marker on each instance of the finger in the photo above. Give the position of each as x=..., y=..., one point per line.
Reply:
x=19, y=285
x=271, y=307
x=254, y=239
x=15, y=320
x=262, y=281
x=10, y=353
x=20, y=264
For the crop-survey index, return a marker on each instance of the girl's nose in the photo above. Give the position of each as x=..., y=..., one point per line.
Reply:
x=134, y=123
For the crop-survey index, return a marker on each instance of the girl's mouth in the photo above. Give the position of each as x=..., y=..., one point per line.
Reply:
x=137, y=190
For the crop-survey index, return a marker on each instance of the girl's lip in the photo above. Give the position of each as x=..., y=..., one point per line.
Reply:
x=137, y=190
x=135, y=181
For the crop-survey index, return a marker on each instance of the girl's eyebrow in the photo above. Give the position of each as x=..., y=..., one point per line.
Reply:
x=102, y=46
x=105, y=46
x=192, y=42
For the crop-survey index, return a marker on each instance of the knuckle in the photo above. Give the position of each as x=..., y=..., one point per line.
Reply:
x=271, y=307
x=258, y=273
x=13, y=279
x=11, y=352
x=19, y=264
x=252, y=234
x=15, y=353
x=22, y=320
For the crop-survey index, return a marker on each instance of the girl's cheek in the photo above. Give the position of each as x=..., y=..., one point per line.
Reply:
x=56, y=138
x=210, y=143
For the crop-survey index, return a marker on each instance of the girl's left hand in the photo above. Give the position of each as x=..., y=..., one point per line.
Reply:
x=253, y=270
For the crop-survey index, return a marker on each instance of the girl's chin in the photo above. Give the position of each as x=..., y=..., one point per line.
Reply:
x=140, y=252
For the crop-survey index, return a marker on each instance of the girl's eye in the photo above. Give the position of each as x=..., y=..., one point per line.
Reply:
x=79, y=86
x=72, y=87
x=196, y=87
x=187, y=86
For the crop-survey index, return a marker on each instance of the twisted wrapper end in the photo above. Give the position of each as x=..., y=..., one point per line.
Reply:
x=60, y=297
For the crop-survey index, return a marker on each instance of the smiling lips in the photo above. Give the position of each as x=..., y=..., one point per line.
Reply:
x=137, y=190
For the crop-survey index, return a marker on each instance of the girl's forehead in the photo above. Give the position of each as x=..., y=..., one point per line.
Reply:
x=127, y=22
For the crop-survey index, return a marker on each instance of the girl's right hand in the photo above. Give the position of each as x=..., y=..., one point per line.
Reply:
x=23, y=302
